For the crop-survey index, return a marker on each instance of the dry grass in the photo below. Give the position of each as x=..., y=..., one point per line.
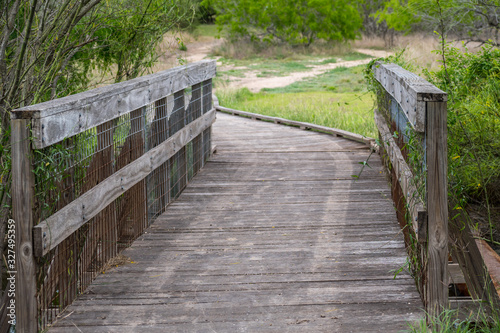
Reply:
x=419, y=48
x=169, y=54
x=119, y=260
x=376, y=43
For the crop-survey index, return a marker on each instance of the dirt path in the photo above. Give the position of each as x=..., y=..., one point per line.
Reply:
x=200, y=49
x=255, y=84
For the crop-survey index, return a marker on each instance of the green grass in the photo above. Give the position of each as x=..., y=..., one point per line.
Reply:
x=269, y=67
x=351, y=56
x=329, y=61
x=278, y=68
x=232, y=72
x=339, y=80
x=209, y=30
x=348, y=111
x=449, y=322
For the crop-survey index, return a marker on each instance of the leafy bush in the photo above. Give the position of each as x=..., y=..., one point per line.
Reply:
x=472, y=82
x=287, y=21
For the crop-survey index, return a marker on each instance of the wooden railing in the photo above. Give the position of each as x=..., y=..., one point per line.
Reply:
x=90, y=173
x=411, y=119
x=412, y=123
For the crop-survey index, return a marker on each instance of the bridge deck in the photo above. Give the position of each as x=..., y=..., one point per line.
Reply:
x=273, y=235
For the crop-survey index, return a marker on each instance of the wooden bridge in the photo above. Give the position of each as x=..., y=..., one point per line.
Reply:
x=272, y=235
x=142, y=228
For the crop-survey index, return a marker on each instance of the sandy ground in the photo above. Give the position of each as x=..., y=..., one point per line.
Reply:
x=199, y=49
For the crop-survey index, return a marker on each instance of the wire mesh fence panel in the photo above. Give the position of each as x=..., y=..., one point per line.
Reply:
x=117, y=177
x=130, y=208
x=207, y=95
x=207, y=147
x=197, y=145
x=194, y=108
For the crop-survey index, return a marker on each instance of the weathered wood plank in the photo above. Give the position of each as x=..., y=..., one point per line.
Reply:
x=249, y=247
x=465, y=251
x=336, y=317
x=437, y=208
x=23, y=187
x=492, y=261
x=94, y=107
x=410, y=91
x=57, y=227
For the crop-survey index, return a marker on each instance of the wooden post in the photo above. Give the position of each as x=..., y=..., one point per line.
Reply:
x=22, y=204
x=437, y=206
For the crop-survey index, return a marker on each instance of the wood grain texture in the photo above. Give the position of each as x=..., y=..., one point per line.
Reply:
x=437, y=208
x=409, y=90
x=491, y=261
x=57, y=227
x=55, y=120
x=23, y=187
x=464, y=249
x=416, y=207
x=272, y=235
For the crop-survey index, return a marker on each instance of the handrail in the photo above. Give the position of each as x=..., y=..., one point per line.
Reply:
x=90, y=173
x=414, y=101
x=54, y=120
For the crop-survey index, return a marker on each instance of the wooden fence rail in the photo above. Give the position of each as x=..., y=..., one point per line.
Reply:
x=412, y=123
x=92, y=170
x=416, y=112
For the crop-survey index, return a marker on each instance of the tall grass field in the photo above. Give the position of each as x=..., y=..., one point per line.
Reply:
x=348, y=111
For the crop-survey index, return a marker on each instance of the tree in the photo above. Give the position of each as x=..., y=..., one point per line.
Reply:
x=296, y=22
x=471, y=20
x=133, y=29
x=51, y=48
x=373, y=26
x=206, y=13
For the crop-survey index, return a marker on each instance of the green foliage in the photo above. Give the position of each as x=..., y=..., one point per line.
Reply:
x=448, y=321
x=205, y=13
x=472, y=81
x=399, y=15
x=467, y=19
x=130, y=31
x=289, y=21
x=50, y=49
x=182, y=46
x=351, y=56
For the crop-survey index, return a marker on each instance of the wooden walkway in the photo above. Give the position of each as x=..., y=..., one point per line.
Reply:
x=273, y=235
